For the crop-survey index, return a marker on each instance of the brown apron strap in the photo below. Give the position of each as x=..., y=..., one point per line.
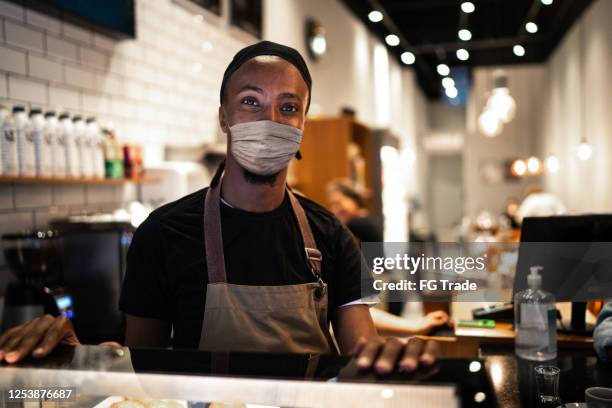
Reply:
x=313, y=255
x=213, y=239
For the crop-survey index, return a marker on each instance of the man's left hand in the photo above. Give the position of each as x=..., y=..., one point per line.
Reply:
x=384, y=355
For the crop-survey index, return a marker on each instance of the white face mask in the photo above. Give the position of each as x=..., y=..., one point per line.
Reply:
x=264, y=147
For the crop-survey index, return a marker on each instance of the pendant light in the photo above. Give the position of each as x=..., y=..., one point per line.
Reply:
x=501, y=102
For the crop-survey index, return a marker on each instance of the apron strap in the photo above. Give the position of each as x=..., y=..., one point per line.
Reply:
x=213, y=239
x=313, y=255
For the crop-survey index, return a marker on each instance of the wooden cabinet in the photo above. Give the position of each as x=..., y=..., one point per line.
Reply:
x=325, y=157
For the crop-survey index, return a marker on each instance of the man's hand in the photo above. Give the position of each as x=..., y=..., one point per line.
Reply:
x=385, y=355
x=38, y=337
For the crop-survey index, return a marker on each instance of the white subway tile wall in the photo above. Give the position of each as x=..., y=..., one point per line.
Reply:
x=148, y=87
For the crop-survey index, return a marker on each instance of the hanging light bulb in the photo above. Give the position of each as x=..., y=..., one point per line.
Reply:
x=584, y=150
x=552, y=164
x=489, y=123
x=534, y=165
x=501, y=102
x=519, y=168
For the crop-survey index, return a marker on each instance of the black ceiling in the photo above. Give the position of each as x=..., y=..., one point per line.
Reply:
x=428, y=28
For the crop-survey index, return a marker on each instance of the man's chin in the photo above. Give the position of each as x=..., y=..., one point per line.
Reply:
x=253, y=178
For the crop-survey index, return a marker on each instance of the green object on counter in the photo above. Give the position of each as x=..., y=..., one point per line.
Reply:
x=480, y=323
x=114, y=169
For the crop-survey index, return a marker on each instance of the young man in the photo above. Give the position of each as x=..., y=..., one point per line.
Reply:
x=245, y=265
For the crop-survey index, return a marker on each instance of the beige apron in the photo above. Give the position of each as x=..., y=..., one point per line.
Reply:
x=285, y=318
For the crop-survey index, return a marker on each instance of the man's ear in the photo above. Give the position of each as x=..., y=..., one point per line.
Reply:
x=223, y=120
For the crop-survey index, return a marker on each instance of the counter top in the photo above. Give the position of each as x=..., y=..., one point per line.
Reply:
x=289, y=380
x=297, y=380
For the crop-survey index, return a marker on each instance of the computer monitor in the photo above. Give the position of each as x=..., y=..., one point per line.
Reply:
x=576, y=254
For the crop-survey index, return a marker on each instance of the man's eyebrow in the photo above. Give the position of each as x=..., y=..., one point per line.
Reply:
x=289, y=95
x=251, y=88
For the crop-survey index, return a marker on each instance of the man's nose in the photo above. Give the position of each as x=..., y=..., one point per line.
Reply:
x=271, y=113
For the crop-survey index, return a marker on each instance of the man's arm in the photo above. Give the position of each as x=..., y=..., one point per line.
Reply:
x=356, y=334
x=144, y=332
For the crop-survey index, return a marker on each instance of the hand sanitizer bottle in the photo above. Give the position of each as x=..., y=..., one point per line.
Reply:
x=535, y=320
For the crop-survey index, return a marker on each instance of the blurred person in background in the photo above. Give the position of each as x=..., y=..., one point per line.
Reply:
x=602, y=337
x=347, y=203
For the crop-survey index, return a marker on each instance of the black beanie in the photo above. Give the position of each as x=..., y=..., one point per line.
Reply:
x=289, y=54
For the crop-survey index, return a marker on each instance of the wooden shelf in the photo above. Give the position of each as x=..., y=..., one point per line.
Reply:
x=79, y=181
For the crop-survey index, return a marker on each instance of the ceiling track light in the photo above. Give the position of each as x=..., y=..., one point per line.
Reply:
x=443, y=69
x=464, y=34
x=531, y=27
x=468, y=7
x=518, y=50
x=463, y=54
x=375, y=16
x=392, y=40
x=408, y=58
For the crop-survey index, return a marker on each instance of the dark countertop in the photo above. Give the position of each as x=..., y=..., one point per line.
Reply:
x=514, y=379
x=496, y=380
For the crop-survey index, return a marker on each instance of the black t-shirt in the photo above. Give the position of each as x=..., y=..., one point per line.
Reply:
x=365, y=229
x=166, y=270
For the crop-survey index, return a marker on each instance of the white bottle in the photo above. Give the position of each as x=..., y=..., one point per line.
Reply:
x=97, y=148
x=8, y=144
x=65, y=139
x=48, y=147
x=34, y=136
x=87, y=150
x=535, y=320
x=26, y=153
x=79, y=144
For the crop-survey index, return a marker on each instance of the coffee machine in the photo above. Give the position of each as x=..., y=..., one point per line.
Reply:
x=36, y=260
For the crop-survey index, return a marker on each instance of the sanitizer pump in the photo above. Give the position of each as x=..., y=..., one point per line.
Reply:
x=535, y=320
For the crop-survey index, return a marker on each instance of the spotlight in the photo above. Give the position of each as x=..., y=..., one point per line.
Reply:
x=451, y=92
x=443, y=69
x=408, y=58
x=463, y=54
x=468, y=7
x=547, y=2
x=465, y=35
x=392, y=40
x=519, y=167
x=518, y=50
x=375, y=16
x=531, y=27
x=534, y=165
x=552, y=164
x=448, y=82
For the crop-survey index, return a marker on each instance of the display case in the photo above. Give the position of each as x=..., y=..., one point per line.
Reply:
x=122, y=377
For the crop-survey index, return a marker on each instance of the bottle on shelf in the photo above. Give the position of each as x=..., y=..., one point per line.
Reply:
x=535, y=320
x=78, y=136
x=97, y=148
x=48, y=149
x=113, y=156
x=65, y=140
x=26, y=156
x=8, y=143
x=33, y=162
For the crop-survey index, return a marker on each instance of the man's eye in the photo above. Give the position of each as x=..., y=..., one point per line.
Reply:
x=289, y=108
x=249, y=101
